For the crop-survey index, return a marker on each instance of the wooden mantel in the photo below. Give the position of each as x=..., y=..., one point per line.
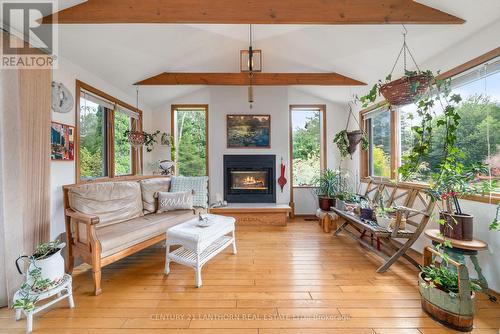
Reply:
x=258, y=79
x=253, y=11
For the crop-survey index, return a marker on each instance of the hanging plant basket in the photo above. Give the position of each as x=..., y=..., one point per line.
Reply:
x=354, y=138
x=407, y=89
x=136, y=138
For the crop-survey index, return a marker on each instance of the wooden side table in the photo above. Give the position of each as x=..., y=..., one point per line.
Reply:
x=62, y=290
x=460, y=249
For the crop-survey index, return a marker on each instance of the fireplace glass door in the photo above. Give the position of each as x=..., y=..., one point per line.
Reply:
x=249, y=180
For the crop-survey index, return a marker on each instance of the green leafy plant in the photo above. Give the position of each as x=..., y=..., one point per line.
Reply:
x=441, y=277
x=45, y=250
x=495, y=226
x=331, y=184
x=374, y=92
x=149, y=138
x=342, y=141
x=36, y=284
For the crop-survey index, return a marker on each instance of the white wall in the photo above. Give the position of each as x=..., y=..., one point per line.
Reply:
x=63, y=172
x=268, y=100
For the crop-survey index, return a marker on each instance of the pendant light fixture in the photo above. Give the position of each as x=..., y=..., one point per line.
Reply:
x=135, y=137
x=250, y=62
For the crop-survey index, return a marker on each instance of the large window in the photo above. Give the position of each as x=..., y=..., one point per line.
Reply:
x=190, y=129
x=478, y=132
x=103, y=149
x=307, y=135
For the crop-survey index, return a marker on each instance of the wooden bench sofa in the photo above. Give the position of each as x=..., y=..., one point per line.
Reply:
x=412, y=202
x=110, y=219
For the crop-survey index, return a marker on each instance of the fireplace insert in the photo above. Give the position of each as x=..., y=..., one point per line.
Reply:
x=249, y=178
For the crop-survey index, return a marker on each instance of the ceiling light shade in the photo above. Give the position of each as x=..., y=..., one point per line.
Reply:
x=251, y=60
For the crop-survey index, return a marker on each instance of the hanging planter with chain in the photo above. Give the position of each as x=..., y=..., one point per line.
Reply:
x=348, y=141
x=404, y=90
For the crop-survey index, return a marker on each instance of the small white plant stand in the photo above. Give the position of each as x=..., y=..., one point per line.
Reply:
x=199, y=244
x=63, y=290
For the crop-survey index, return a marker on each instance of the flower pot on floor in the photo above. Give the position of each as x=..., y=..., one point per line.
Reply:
x=457, y=226
x=326, y=203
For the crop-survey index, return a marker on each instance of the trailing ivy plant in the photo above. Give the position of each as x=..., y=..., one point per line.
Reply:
x=342, y=141
x=495, y=225
x=36, y=284
x=149, y=139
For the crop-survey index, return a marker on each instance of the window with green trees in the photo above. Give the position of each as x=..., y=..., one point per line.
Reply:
x=190, y=130
x=104, y=150
x=123, y=150
x=378, y=125
x=479, y=129
x=93, y=140
x=307, y=152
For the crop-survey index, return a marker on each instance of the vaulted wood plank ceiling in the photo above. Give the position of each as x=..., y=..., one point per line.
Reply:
x=258, y=79
x=253, y=11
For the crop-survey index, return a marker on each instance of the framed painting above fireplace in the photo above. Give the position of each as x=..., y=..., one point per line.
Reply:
x=248, y=131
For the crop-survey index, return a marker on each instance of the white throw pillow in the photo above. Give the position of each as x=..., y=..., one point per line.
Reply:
x=170, y=201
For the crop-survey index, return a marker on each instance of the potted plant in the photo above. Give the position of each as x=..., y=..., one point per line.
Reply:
x=140, y=138
x=404, y=90
x=48, y=259
x=329, y=185
x=447, y=295
x=347, y=141
x=30, y=288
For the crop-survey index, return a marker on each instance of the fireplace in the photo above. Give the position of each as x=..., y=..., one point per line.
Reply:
x=249, y=178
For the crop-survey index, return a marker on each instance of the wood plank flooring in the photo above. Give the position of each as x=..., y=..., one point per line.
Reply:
x=284, y=280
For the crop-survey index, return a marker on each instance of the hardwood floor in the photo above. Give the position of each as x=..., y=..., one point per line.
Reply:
x=284, y=280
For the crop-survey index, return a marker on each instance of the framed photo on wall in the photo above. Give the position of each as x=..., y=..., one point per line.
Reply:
x=248, y=131
x=62, y=142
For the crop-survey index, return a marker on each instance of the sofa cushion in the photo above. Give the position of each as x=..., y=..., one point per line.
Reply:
x=182, y=200
x=117, y=237
x=149, y=188
x=198, y=184
x=112, y=202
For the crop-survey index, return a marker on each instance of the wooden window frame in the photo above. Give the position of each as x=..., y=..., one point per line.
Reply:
x=173, y=108
x=110, y=128
x=494, y=198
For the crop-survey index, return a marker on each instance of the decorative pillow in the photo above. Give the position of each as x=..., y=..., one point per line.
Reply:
x=149, y=188
x=198, y=184
x=174, y=201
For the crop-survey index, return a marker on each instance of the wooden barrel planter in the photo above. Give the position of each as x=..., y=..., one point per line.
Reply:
x=454, y=312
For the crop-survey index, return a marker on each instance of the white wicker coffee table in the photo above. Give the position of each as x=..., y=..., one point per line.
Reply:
x=199, y=244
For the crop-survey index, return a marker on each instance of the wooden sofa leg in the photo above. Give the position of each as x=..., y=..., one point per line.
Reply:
x=97, y=282
x=70, y=264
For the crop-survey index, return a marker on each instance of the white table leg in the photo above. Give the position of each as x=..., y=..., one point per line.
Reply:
x=29, y=322
x=71, y=302
x=234, y=244
x=167, y=259
x=198, y=271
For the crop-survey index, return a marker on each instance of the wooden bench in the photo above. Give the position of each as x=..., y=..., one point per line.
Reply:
x=412, y=203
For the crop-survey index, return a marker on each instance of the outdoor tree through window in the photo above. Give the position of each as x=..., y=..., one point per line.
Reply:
x=307, y=133
x=378, y=124
x=190, y=128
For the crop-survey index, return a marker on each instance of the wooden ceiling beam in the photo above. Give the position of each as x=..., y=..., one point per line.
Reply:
x=258, y=79
x=253, y=11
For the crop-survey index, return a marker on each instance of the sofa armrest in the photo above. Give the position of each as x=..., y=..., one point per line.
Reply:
x=88, y=219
